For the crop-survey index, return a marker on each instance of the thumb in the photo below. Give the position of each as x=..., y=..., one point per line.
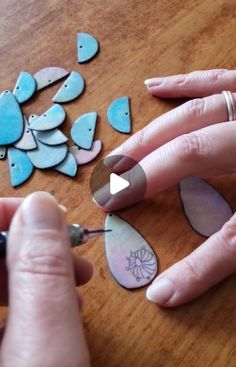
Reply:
x=44, y=326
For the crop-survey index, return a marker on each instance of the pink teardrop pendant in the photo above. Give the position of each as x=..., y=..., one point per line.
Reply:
x=206, y=210
x=130, y=258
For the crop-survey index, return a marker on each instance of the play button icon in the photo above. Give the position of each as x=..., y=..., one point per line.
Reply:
x=116, y=182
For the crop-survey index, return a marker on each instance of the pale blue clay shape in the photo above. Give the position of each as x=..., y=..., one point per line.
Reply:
x=118, y=115
x=83, y=130
x=49, y=75
x=71, y=88
x=46, y=156
x=51, y=119
x=20, y=167
x=32, y=118
x=25, y=87
x=68, y=166
x=27, y=141
x=52, y=137
x=11, y=119
x=84, y=156
x=131, y=259
x=87, y=47
x=3, y=151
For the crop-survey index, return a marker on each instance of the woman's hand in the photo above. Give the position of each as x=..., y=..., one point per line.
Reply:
x=43, y=326
x=195, y=139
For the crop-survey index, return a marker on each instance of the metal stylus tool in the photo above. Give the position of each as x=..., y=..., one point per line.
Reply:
x=77, y=234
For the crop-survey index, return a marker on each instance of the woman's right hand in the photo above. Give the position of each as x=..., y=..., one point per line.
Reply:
x=43, y=326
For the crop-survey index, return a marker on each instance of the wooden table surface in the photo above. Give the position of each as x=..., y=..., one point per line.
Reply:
x=139, y=39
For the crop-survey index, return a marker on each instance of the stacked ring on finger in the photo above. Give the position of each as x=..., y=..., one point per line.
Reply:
x=230, y=105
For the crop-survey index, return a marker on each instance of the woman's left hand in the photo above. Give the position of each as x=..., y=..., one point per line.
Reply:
x=194, y=139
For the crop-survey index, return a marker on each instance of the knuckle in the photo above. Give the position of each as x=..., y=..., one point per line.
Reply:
x=192, y=146
x=136, y=143
x=195, y=108
x=216, y=74
x=140, y=138
x=192, y=271
x=228, y=236
x=45, y=258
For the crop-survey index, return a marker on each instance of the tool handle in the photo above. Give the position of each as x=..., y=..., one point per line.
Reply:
x=77, y=235
x=3, y=245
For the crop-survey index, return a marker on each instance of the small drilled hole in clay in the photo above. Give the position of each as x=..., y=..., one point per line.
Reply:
x=65, y=85
x=80, y=46
x=110, y=215
x=126, y=113
x=45, y=115
x=49, y=81
x=17, y=87
x=27, y=131
x=90, y=129
x=13, y=165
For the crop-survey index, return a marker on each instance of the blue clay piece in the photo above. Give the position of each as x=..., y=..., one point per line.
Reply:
x=118, y=115
x=11, y=119
x=32, y=118
x=25, y=87
x=68, y=166
x=20, y=166
x=46, y=156
x=51, y=119
x=3, y=151
x=87, y=47
x=52, y=137
x=70, y=89
x=83, y=130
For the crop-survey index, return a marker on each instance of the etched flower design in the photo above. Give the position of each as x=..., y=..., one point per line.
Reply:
x=142, y=264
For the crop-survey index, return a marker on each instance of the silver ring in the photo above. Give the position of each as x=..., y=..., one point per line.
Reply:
x=230, y=105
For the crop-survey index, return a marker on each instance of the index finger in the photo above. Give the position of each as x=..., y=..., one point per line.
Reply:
x=8, y=207
x=203, y=154
x=200, y=83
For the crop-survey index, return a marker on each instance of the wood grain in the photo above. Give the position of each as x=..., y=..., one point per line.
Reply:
x=139, y=39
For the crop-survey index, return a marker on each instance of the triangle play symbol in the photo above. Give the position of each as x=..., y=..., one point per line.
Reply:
x=117, y=184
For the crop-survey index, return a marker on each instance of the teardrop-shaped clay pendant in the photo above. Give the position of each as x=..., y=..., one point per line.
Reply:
x=131, y=259
x=11, y=119
x=206, y=210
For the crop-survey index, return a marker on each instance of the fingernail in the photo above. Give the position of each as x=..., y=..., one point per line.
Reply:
x=161, y=291
x=155, y=82
x=41, y=211
x=63, y=208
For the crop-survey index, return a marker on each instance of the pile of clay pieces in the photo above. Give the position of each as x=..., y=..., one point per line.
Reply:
x=36, y=141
